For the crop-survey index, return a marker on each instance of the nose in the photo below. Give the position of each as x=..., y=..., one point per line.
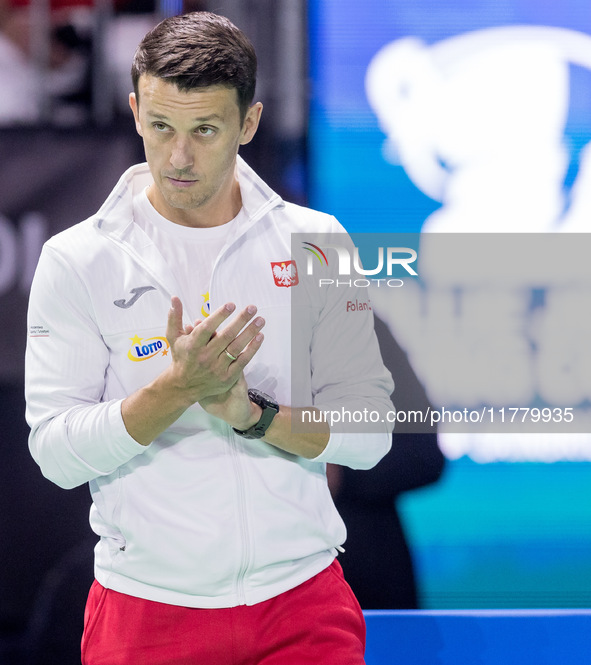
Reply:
x=181, y=156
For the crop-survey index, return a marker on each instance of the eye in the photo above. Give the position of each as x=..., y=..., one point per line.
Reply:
x=205, y=130
x=159, y=126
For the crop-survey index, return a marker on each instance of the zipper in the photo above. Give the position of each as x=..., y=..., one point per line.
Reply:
x=239, y=472
x=242, y=519
x=247, y=547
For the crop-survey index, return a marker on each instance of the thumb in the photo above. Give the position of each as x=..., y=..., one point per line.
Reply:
x=174, y=328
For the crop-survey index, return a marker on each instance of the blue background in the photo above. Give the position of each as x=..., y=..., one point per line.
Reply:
x=487, y=535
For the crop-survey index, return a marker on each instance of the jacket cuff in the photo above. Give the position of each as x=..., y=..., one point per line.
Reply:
x=110, y=445
x=355, y=450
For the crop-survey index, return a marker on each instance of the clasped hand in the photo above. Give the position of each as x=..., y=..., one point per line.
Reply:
x=208, y=360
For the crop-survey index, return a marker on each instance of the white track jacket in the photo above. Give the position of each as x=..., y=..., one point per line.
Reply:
x=201, y=517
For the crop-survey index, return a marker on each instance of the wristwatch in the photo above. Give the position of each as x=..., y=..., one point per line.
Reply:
x=270, y=409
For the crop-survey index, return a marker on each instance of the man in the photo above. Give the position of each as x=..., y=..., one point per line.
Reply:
x=217, y=533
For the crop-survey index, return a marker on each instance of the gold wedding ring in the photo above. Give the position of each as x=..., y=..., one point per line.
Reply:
x=232, y=358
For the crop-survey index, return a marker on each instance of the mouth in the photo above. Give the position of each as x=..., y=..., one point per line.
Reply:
x=176, y=182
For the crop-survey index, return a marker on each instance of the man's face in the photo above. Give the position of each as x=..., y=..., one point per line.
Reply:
x=191, y=140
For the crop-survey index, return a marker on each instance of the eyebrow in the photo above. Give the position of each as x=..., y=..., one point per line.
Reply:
x=162, y=116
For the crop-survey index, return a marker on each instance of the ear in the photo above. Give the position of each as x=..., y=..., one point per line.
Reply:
x=133, y=105
x=251, y=123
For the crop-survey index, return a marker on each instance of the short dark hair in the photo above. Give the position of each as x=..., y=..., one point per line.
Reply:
x=197, y=50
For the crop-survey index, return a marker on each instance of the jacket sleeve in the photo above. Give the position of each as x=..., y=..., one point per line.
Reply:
x=75, y=435
x=350, y=383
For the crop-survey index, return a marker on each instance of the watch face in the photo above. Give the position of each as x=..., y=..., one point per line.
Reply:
x=263, y=400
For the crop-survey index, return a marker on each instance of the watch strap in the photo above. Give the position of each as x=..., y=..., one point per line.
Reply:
x=270, y=409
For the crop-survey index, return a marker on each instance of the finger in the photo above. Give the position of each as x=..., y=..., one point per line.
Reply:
x=229, y=356
x=189, y=327
x=174, y=327
x=224, y=336
x=239, y=343
x=249, y=351
x=207, y=329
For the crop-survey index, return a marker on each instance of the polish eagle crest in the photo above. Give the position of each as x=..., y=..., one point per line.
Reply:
x=285, y=273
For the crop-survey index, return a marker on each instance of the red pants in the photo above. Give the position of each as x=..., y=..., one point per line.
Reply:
x=317, y=623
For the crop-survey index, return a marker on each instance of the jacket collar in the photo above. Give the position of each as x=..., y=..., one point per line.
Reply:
x=115, y=215
x=115, y=219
